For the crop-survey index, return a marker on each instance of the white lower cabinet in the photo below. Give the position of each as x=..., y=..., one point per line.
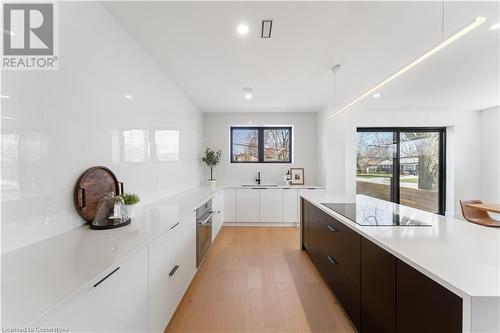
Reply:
x=172, y=265
x=271, y=205
x=119, y=303
x=218, y=218
x=140, y=294
x=247, y=203
x=264, y=205
x=230, y=205
x=290, y=205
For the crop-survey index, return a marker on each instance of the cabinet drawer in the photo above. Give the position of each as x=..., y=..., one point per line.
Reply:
x=337, y=256
x=172, y=264
x=341, y=230
x=347, y=293
x=344, y=245
x=347, y=254
x=116, y=302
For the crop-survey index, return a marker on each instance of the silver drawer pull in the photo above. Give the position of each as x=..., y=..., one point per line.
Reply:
x=107, y=276
x=332, y=260
x=172, y=272
x=332, y=229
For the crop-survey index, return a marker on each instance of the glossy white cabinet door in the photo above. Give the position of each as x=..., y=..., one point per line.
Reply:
x=218, y=219
x=271, y=205
x=247, y=205
x=290, y=205
x=172, y=264
x=118, y=304
x=230, y=205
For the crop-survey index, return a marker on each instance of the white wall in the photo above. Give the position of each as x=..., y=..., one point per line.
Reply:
x=304, y=141
x=338, y=154
x=490, y=155
x=68, y=120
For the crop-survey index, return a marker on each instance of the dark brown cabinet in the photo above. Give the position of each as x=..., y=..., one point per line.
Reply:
x=378, y=289
x=424, y=305
x=305, y=224
x=336, y=253
x=379, y=292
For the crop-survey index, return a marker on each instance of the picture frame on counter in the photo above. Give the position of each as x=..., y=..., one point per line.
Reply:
x=297, y=176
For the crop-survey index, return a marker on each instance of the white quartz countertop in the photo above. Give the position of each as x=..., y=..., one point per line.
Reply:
x=37, y=277
x=275, y=186
x=462, y=256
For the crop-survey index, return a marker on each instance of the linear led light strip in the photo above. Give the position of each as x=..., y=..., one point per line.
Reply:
x=476, y=23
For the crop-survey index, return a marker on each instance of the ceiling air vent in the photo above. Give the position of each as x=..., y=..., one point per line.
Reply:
x=267, y=26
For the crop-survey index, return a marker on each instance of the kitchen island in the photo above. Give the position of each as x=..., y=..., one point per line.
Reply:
x=444, y=276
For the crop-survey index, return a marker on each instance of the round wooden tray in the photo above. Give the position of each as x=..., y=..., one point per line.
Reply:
x=91, y=187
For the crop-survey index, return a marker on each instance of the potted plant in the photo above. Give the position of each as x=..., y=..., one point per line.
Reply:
x=211, y=159
x=130, y=200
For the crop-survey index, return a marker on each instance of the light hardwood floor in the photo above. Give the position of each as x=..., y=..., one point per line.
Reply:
x=255, y=279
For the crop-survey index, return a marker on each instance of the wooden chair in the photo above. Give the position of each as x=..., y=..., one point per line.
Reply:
x=477, y=216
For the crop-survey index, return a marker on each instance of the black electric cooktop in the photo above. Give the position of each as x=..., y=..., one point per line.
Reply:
x=372, y=216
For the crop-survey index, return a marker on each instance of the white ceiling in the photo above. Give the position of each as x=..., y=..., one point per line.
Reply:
x=196, y=43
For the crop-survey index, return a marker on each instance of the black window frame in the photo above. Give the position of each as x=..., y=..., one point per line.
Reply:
x=260, y=143
x=395, y=186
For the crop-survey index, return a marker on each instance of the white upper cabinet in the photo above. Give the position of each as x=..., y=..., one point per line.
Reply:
x=271, y=205
x=218, y=219
x=290, y=205
x=247, y=203
x=119, y=303
x=229, y=205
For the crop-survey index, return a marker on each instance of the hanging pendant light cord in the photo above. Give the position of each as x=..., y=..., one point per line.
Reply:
x=442, y=20
x=335, y=69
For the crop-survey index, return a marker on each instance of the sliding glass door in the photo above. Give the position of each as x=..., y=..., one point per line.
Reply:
x=403, y=165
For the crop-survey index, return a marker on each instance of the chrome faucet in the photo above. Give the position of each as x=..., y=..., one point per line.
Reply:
x=258, y=178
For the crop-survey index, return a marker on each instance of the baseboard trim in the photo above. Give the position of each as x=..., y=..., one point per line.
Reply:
x=261, y=224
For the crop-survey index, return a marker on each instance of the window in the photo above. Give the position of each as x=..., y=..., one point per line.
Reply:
x=403, y=165
x=261, y=145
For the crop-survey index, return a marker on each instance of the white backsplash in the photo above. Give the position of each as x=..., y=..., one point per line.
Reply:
x=62, y=122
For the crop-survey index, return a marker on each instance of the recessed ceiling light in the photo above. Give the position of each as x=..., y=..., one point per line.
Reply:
x=5, y=117
x=495, y=26
x=248, y=92
x=128, y=96
x=242, y=29
x=5, y=96
x=376, y=95
x=476, y=23
x=250, y=122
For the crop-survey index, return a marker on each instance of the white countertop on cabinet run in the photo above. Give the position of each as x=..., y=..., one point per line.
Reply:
x=299, y=187
x=37, y=277
x=462, y=256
